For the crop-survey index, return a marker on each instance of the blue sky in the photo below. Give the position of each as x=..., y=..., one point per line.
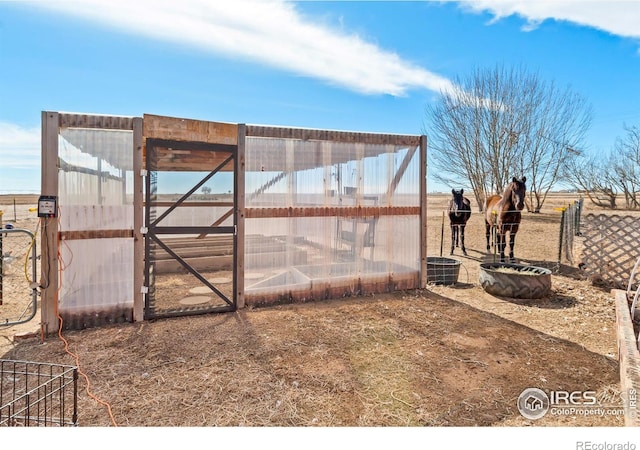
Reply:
x=360, y=66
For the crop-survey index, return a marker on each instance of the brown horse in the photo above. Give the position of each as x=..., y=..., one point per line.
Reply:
x=503, y=213
x=459, y=214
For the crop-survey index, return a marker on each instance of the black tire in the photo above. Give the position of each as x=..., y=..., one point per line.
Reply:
x=514, y=284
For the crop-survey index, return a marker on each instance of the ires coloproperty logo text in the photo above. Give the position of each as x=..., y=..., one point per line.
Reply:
x=534, y=403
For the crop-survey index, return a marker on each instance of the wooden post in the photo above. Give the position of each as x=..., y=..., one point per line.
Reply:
x=239, y=192
x=138, y=211
x=49, y=236
x=442, y=234
x=423, y=211
x=561, y=237
x=578, y=204
x=628, y=357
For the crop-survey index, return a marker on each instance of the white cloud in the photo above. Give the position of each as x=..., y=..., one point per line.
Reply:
x=617, y=17
x=271, y=32
x=19, y=147
x=275, y=33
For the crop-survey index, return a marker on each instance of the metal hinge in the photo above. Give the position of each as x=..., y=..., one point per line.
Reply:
x=143, y=172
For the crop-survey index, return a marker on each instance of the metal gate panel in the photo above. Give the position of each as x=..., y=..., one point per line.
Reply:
x=191, y=228
x=19, y=308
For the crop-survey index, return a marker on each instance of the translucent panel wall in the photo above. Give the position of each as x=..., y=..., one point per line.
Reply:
x=96, y=222
x=326, y=219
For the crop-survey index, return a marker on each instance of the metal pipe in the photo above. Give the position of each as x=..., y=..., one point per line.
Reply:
x=561, y=237
x=34, y=293
x=442, y=233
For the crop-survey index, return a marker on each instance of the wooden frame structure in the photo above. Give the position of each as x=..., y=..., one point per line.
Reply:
x=242, y=138
x=51, y=236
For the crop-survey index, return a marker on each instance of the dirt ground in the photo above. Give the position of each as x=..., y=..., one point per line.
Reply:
x=443, y=356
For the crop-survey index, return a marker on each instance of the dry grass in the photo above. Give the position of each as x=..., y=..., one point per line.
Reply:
x=401, y=359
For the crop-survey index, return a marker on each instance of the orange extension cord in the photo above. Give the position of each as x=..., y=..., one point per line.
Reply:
x=66, y=343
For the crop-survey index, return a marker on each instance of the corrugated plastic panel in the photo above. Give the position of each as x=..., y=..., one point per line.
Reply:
x=329, y=221
x=95, y=196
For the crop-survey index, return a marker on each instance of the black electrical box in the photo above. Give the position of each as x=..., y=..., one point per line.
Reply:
x=47, y=206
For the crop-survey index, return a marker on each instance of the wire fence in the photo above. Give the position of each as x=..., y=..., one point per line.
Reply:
x=569, y=229
x=36, y=394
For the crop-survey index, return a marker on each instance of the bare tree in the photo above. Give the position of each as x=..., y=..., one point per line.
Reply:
x=626, y=166
x=591, y=175
x=604, y=178
x=502, y=123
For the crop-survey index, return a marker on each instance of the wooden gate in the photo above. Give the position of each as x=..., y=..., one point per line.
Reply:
x=191, y=232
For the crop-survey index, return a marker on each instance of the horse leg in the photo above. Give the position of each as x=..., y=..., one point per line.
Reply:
x=502, y=243
x=454, y=237
x=464, y=250
x=512, y=241
x=488, y=233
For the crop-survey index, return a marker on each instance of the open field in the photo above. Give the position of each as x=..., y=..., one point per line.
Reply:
x=443, y=356
x=7, y=200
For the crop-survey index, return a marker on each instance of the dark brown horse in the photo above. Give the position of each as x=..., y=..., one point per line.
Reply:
x=503, y=214
x=459, y=214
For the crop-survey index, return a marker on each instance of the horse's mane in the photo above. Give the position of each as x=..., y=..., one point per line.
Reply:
x=506, y=195
x=505, y=198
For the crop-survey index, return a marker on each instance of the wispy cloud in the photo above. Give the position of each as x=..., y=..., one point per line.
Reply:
x=617, y=17
x=271, y=32
x=19, y=147
x=277, y=34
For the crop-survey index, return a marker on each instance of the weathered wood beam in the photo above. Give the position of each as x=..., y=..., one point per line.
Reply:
x=332, y=135
x=162, y=127
x=70, y=120
x=49, y=186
